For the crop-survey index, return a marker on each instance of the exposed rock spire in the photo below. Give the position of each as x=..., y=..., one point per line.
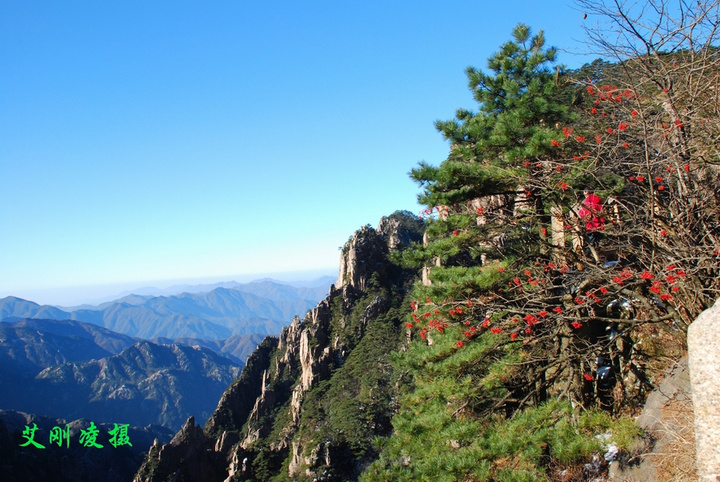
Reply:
x=281, y=373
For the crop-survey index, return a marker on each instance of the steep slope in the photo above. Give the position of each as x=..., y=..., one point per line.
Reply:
x=312, y=400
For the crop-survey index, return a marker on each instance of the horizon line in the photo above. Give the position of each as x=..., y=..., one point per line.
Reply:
x=93, y=294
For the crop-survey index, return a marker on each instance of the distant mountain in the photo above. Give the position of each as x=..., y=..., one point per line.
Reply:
x=29, y=346
x=262, y=307
x=213, y=315
x=17, y=308
x=74, y=462
x=318, y=287
x=71, y=369
x=144, y=384
x=282, y=293
x=237, y=347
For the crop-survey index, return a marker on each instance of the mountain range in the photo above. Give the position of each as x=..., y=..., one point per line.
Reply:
x=315, y=287
x=261, y=307
x=28, y=346
x=95, y=373
x=142, y=385
x=143, y=360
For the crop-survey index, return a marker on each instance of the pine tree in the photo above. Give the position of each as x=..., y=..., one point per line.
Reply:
x=510, y=322
x=520, y=102
x=494, y=156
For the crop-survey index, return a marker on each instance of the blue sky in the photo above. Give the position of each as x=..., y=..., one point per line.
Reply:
x=147, y=142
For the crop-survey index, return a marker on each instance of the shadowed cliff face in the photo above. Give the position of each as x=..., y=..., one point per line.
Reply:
x=309, y=402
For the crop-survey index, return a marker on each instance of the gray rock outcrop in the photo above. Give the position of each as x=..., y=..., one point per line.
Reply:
x=704, y=361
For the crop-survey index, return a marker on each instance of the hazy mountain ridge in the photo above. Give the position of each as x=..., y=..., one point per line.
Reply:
x=316, y=289
x=261, y=307
x=13, y=308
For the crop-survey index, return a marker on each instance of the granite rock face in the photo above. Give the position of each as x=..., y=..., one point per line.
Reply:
x=257, y=424
x=704, y=361
x=365, y=254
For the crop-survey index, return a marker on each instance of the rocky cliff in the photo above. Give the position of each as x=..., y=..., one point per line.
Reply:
x=309, y=403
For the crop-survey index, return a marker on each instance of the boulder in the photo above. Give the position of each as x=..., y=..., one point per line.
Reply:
x=704, y=361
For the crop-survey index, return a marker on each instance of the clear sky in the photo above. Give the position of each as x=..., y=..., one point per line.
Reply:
x=164, y=140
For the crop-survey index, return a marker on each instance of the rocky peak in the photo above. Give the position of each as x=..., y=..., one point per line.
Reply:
x=366, y=251
x=306, y=353
x=400, y=229
x=261, y=415
x=361, y=256
x=189, y=449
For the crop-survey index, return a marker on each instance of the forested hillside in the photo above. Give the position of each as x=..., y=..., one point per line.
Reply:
x=570, y=238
